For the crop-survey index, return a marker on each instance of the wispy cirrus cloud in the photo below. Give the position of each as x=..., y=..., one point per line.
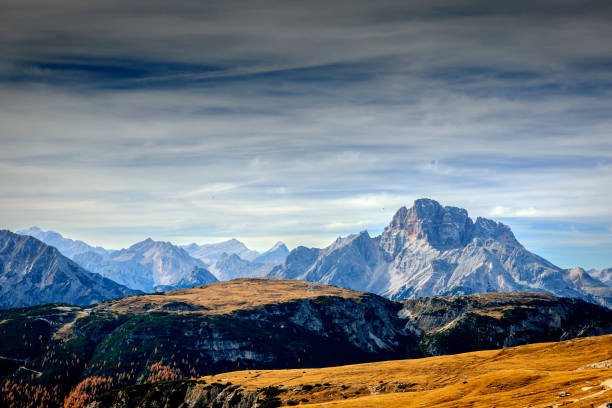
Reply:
x=302, y=122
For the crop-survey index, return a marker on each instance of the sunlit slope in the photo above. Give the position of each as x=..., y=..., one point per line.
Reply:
x=572, y=373
x=226, y=297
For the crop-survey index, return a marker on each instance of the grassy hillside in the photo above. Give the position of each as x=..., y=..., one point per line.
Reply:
x=227, y=297
x=572, y=373
x=58, y=355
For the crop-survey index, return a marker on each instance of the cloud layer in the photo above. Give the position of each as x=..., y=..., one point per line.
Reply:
x=304, y=121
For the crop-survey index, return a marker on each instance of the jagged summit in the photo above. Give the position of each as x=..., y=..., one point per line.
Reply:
x=430, y=249
x=210, y=253
x=442, y=227
x=278, y=245
x=150, y=242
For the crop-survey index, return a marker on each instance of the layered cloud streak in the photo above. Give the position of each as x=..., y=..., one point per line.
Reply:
x=304, y=121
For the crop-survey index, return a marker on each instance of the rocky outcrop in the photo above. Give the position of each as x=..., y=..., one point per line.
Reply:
x=434, y=250
x=298, y=333
x=32, y=273
x=183, y=393
x=457, y=324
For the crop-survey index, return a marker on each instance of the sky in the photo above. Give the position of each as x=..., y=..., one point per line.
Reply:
x=303, y=121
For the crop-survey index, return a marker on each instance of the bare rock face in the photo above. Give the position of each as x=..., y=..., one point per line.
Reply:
x=432, y=250
x=442, y=227
x=457, y=324
x=32, y=273
x=189, y=393
x=352, y=262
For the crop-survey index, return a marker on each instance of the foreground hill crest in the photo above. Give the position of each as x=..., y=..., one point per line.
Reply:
x=228, y=296
x=540, y=375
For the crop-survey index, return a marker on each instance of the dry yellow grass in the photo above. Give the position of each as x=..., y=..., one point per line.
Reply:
x=226, y=297
x=65, y=332
x=534, y=375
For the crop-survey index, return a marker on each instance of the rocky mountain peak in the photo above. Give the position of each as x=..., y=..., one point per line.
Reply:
x=147, y=243
x=442, y=227
x=430, y=249
x=426, y=207
x=279, y=245
x=32, y=272
x=158, y=245
x=486, y=229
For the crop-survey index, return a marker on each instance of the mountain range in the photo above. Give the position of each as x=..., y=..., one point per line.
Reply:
x=68, y=247
x=145, y=265
x=32, y=272
x=232, y=266
x=604, y=275
x=431, y=265
x=426, y=250
x=157, y=266
x=432, y=250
